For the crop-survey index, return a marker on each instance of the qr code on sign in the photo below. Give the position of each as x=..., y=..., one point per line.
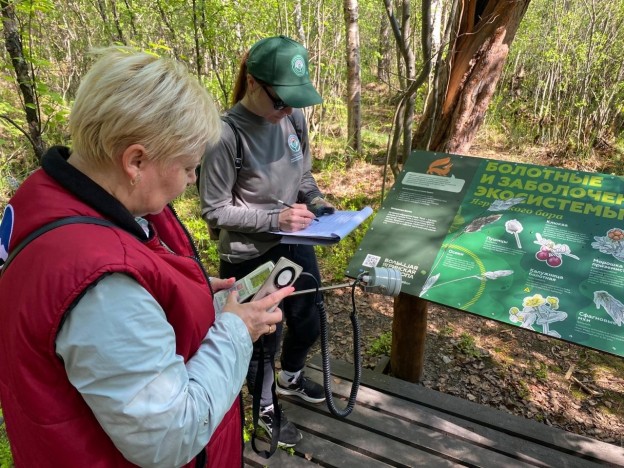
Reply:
x=371, y=260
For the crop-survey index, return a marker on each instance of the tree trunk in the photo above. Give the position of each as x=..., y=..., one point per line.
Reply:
x=485, y=31
x=170, y=28
x=404, y=115
x=117, y=23
x=409, y=330
x=299, y=24
x=25, y=79
x=196, y=38
x=354, y=85
x=384, y=60
x=131, y=18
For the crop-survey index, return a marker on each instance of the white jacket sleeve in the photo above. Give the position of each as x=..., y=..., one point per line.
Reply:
x=119, y=352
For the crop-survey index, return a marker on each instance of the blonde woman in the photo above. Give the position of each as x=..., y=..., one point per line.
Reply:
x=111, y=354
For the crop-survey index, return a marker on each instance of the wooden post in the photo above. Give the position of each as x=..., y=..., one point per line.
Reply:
x=409, y=330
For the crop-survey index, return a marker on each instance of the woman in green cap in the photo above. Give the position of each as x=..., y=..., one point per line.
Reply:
x=258, y=181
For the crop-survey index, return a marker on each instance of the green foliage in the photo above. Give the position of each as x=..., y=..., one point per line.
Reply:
x=374, y=138
x=468, y=346
x=447, y=331
x=523, y=390
x=207, y=248
x=328, y=167
x=570, y=87
x=381, y=346
x=540, y=371
x=6, y=459
x=564, y=88
x=248, y=427
x=188, y=209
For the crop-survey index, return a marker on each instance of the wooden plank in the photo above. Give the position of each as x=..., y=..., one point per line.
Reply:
x=280, y=459
x=463, y=440
x=496, y=429
x=425, y=429
x=366, y=439
x=334, y=443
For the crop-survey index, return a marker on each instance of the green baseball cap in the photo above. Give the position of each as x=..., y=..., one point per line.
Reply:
x=282, y=64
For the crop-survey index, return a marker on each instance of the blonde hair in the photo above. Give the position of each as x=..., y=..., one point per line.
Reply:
x=131, y=97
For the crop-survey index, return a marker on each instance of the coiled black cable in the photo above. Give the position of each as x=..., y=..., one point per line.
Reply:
x=357, y=358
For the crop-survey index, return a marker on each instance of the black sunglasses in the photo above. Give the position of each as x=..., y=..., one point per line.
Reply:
x=278, y=104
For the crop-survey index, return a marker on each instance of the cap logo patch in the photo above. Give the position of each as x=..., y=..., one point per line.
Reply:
x=298, y=65
x=6, y=229
x=293, y=143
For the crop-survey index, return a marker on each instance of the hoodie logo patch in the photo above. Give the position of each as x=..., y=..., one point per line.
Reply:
x=293, y=143
x=295, y=148
x=6, y=229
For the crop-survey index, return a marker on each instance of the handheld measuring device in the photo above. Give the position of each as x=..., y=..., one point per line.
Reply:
x=246, y=287
x=284, y=274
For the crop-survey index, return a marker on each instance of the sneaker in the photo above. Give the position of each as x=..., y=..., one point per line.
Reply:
x=289, y=435
x=302, y=387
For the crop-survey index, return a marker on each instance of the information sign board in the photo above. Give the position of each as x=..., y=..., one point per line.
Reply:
x=533, y=246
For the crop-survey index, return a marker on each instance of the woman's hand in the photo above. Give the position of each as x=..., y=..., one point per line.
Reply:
x=258, y=321
x=296, y=218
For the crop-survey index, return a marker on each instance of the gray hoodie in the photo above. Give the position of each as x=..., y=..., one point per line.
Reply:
x=242, y=204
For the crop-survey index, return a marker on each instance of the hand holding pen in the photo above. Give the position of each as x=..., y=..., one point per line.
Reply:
x=295, y=218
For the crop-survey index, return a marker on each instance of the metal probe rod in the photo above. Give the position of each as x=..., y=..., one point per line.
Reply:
x=324, y=288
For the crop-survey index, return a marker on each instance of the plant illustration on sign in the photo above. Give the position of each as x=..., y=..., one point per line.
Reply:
x=488, y=275
x=504, y=205
x=537, y=310
x=614, y=307
x=612, y=243
x=551, y=252
x=478, y=223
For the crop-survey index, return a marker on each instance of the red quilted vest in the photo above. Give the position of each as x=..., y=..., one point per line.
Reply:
x=47, y=421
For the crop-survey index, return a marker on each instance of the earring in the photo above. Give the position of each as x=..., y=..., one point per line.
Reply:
x=136, y=180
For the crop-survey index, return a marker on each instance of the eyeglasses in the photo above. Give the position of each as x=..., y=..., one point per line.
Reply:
x=278, y=104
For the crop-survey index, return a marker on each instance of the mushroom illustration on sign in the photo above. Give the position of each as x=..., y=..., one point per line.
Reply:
x=513, y=226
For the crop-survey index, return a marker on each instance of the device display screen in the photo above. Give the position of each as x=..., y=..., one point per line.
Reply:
x=256, y=281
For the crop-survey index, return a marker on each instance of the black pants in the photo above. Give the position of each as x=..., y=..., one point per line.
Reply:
x=300, y=312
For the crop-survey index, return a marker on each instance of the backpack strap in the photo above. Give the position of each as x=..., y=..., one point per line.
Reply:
x=53, y=225
x=238, y=158
x=298, y=130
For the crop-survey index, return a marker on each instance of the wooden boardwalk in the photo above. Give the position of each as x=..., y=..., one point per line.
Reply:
x=400, y=424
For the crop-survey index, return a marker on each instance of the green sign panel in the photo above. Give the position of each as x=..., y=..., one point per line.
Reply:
x=537, y=247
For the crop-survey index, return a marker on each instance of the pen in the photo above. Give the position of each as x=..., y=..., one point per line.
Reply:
x=290, y=206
